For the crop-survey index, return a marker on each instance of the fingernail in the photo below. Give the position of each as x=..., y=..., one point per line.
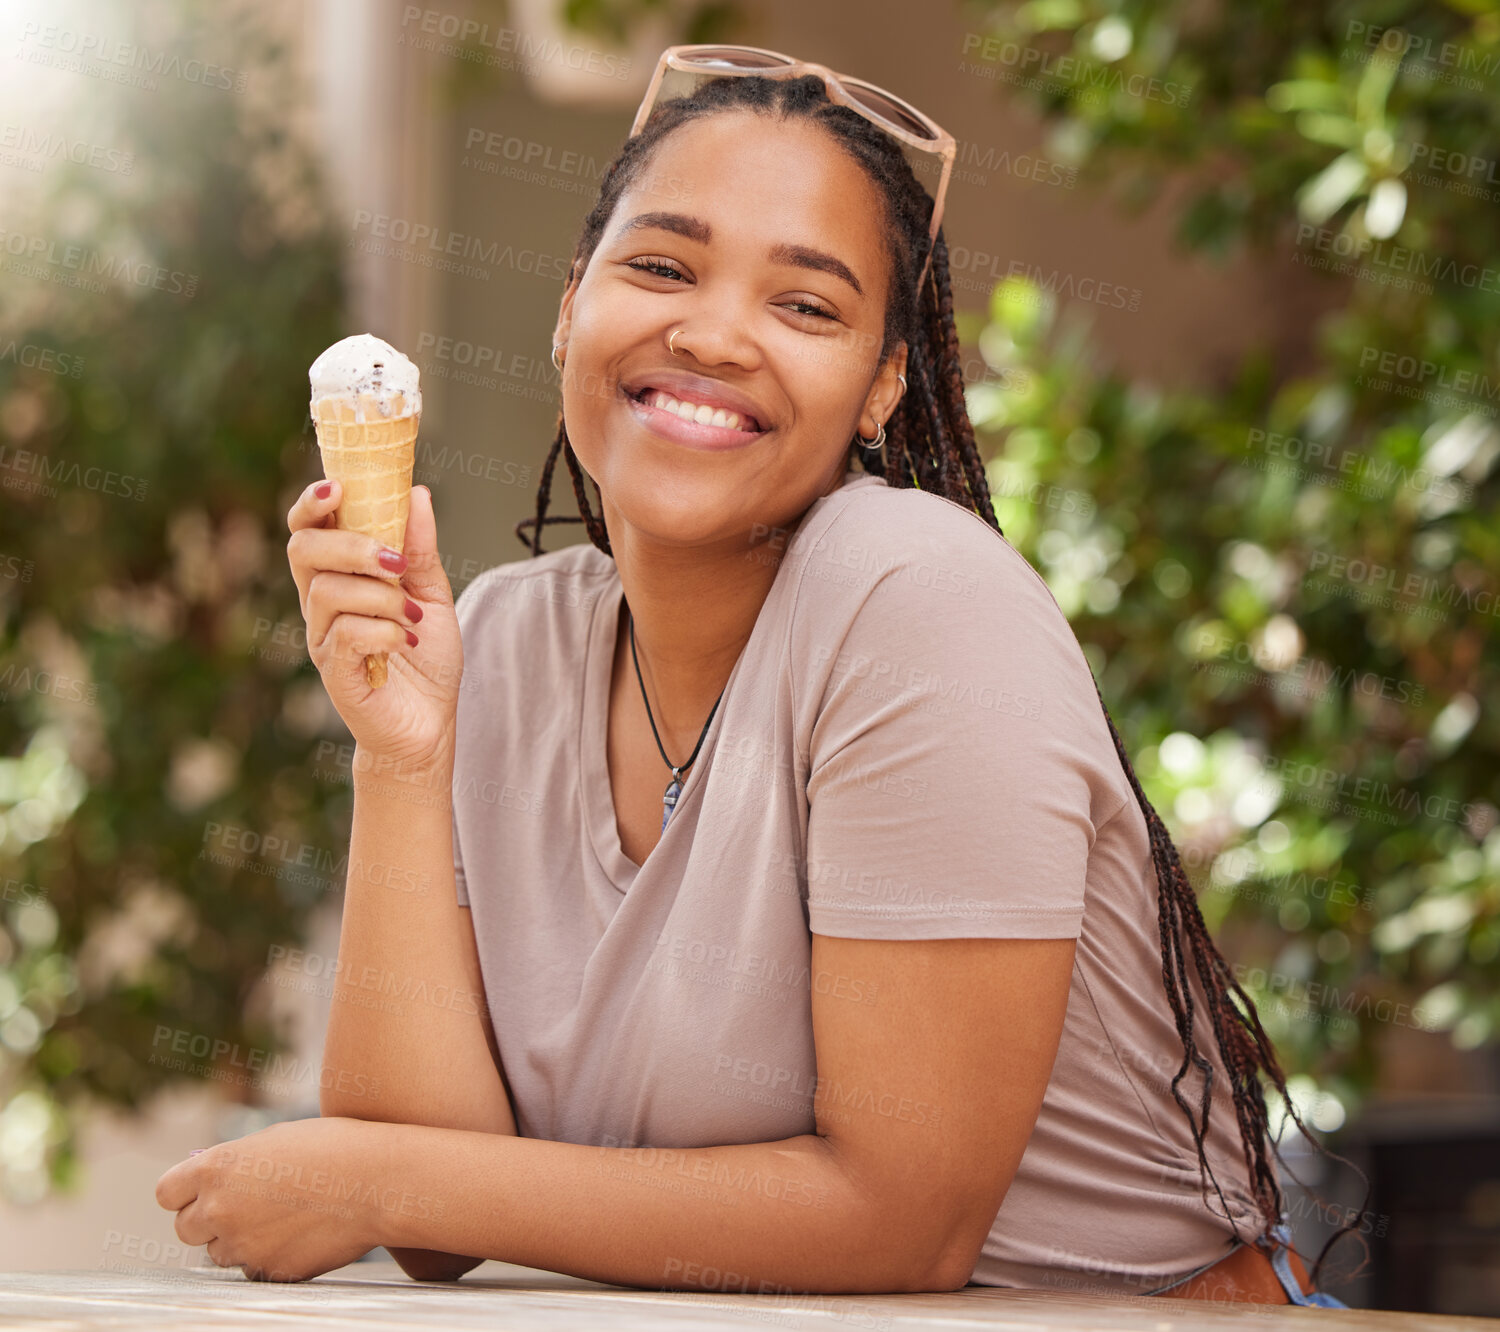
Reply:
x=196, y=1150
x=413, y=611
x=325, y=490
x=393, y=560
x=411, y=638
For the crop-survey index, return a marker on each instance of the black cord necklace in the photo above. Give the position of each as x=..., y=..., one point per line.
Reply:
x=674, y=787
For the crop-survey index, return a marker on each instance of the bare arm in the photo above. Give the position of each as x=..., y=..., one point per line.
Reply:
x=925, y=1102
x=405, y=939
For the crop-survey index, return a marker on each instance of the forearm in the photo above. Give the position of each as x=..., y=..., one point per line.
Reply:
x=407, y=1036
x=758, y=1217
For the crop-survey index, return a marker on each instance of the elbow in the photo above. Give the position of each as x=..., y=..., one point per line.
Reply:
x=432, y=1265
x=951, y=1272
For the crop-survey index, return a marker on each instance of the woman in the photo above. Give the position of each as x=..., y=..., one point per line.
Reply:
x=785, y=812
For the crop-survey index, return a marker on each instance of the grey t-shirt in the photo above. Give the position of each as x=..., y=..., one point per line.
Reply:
x=910, y=746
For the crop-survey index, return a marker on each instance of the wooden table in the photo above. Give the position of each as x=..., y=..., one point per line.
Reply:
x=499, y=1297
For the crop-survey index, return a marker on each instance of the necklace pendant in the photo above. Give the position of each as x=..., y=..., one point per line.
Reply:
x=669, y=801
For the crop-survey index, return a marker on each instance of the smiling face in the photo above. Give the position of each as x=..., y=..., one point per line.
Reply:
x=770, y=263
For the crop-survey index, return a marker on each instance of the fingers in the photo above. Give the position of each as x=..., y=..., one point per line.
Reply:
x=177, y=1187
x=312, y=509
x=331, y=595
x=352, y=638
x=424, y=576
x=193, y=1227
x=312, y=549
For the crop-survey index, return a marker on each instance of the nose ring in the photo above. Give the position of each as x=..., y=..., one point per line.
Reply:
x=670, y=347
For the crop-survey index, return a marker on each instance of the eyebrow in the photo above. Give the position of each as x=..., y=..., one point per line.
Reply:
x=799, y=256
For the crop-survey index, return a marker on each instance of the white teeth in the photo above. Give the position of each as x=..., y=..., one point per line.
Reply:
x=698, y=412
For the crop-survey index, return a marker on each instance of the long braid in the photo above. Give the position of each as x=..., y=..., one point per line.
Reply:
x=930, y=445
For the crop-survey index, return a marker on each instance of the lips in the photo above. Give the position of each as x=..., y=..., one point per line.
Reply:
x=700, y=391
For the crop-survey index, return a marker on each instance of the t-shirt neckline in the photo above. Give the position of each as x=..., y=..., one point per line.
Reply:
x=593, y=760
x=595, y=796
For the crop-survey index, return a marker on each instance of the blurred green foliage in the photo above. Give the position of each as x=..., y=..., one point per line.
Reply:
x=1288, y=583
x=160, y=716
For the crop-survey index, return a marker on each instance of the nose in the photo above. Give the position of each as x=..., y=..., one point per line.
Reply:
x=715, y=330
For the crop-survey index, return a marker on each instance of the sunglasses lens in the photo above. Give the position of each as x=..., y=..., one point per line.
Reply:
x=887, y=107
x=732, y=58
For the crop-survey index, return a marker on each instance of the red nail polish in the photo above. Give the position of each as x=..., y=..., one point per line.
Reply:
x=393, y=560
x=325, y=490
x=411, y=638
x=413, y=611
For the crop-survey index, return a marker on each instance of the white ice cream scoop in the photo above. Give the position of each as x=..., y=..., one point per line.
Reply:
x=363, y=368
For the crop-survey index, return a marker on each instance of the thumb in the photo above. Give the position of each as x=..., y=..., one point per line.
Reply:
x=424, y=576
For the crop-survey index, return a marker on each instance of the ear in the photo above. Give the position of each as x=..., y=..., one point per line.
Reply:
x=886, y=393
x=565, y=308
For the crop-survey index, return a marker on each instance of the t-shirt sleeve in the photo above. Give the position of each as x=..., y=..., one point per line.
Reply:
x=959, y=755
x=459, y=884
x=465, y=609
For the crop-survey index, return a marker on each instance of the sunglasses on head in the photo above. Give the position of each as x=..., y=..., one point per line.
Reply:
x=683, y=69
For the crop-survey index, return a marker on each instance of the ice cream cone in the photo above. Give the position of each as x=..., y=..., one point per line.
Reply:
x=371, y=459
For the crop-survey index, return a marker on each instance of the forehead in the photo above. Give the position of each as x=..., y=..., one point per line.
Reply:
x=759, y=179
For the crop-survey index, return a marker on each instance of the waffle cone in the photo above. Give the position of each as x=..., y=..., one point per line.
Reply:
x=372, y=460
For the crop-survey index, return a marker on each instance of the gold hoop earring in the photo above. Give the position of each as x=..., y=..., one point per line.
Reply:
x=556, y=364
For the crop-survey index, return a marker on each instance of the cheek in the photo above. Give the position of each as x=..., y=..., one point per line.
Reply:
x=823, y=384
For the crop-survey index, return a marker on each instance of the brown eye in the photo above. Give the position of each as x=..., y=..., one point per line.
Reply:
x=653, y=266
x=806, y=307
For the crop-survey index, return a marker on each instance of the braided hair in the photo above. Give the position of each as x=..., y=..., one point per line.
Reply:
x=932, y=447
